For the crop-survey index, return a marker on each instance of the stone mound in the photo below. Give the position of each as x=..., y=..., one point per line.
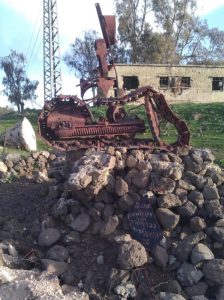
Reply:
x=87, y=241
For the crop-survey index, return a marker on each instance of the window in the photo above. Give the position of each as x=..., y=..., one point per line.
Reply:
x=186, y=82
x=175, y=82
x=130, y=82
x=164, y=82
x=217, y=83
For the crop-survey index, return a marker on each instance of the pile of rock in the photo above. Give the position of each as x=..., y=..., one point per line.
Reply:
x=86, y=239
x=187, y=195
x=35, y=166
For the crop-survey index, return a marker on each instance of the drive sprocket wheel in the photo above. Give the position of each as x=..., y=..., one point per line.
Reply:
x=115, y=113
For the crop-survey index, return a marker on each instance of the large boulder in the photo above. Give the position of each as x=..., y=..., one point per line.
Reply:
x=21, y=135
x=92, y=171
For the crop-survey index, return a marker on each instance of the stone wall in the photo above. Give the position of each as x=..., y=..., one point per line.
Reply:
x=201, y=80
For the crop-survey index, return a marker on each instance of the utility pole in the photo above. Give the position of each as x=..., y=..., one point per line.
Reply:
x=51, y=51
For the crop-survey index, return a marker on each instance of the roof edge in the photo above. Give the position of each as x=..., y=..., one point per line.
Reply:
x=170, y=65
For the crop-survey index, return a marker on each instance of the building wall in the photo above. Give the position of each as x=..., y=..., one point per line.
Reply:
x=200, y=75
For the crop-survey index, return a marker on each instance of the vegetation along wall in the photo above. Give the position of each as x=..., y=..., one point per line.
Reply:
x=179, y=83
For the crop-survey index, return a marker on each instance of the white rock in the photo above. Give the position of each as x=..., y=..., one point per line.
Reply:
x=21, y=135
x=126, y=290
x=23, y=284
x=92, y=171
x=3, y=167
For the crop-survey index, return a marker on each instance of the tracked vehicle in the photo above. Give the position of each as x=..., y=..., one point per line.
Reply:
x=66, y=122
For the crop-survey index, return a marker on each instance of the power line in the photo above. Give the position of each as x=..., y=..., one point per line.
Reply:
x=37, y=104
x=33, y=31
x=34, y=45
x=32, y=60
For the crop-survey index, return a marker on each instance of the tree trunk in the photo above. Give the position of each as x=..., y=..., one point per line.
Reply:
x=18, y=107
x=94, y=91
x=22, y=107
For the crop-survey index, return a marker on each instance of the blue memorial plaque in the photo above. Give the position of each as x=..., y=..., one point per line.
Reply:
x=144, y=225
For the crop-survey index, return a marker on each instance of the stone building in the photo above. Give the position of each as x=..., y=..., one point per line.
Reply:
x=179, y=83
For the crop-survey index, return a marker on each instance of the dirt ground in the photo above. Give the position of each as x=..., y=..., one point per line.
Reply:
x=22, y=204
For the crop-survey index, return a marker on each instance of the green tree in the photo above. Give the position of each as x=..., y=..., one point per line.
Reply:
x=182, y=31
x=17, y=86
x=81, y=57
x=171, y=33
x=132, y=20
x=211, y=47
x=187, y=38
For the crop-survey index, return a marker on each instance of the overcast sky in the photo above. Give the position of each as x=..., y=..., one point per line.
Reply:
x=21, y=30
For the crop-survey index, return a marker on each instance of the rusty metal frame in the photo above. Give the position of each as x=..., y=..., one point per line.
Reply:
x=66, y=122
